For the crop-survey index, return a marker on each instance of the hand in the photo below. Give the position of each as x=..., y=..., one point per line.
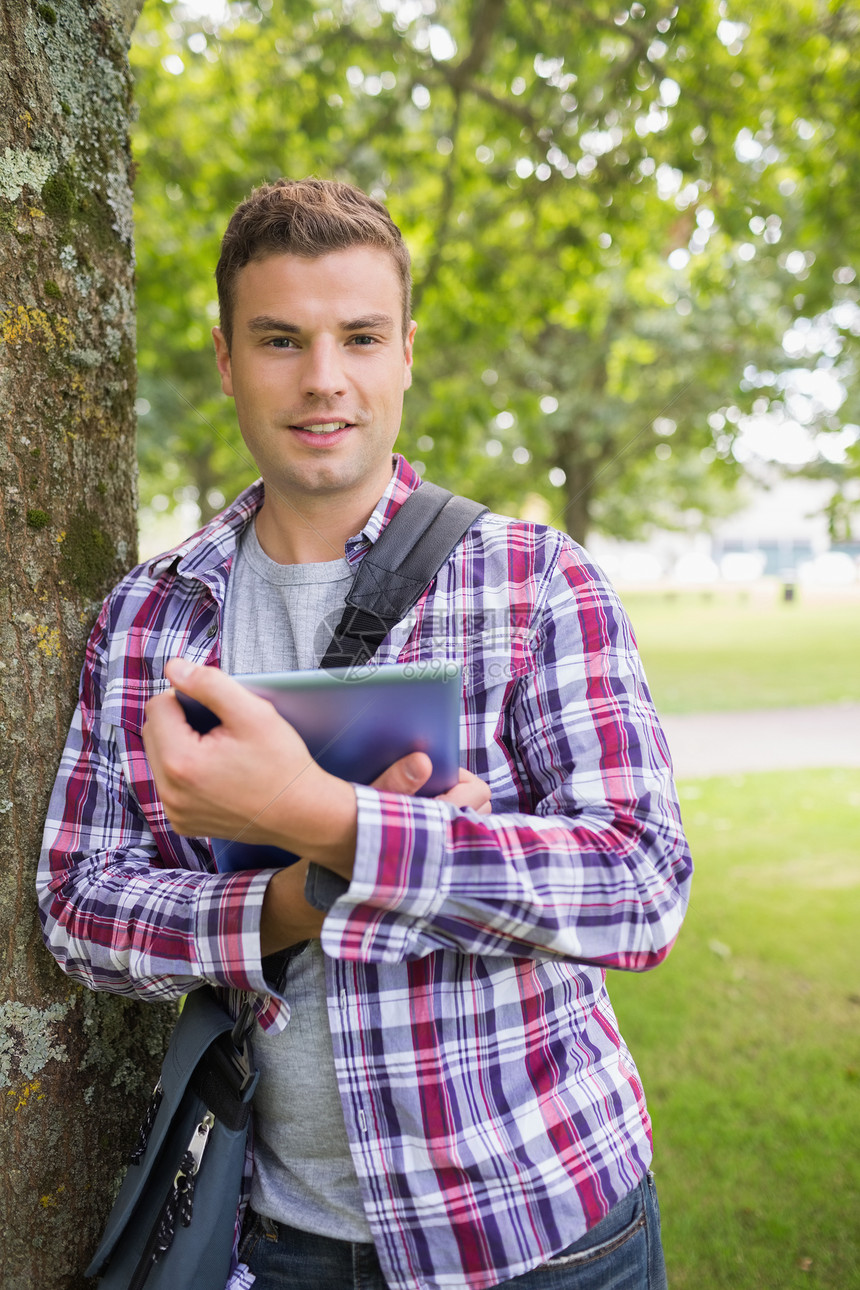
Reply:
x=252, y=776
x=409, y=773
x=287, y=917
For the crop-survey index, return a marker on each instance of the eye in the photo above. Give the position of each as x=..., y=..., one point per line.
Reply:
x=363, y=340
x=281, y=342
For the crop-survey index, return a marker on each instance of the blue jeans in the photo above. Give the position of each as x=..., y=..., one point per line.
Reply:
x=623, y=1252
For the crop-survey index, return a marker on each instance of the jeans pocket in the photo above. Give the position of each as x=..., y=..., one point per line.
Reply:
x=256, y=1227
x=579, y=1254
x=251, y=1233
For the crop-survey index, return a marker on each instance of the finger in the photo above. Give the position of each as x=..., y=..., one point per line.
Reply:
x=165, y=727
x=172, y=738
x=466, y=797
x=406, y=775
x=470, y=792
x=169, y=724
x=231, y=702
x=168, y=742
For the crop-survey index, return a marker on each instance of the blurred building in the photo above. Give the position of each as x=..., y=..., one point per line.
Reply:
x=781, y=532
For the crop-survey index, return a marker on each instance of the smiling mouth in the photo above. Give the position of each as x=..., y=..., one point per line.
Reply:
x=326, y=427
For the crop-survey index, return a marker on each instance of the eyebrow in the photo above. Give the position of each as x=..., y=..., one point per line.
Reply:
x=264, y=322
x=371, y=322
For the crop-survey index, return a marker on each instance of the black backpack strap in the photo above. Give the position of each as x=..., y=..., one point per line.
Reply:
x=397, y=569
x=391, y=578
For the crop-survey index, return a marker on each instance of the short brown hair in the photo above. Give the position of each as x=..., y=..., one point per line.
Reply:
x=307, y=217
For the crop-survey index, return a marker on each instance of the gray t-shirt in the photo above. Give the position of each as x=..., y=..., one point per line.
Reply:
x=303, y=1170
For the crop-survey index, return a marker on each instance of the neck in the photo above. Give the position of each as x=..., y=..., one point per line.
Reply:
x=314, y=532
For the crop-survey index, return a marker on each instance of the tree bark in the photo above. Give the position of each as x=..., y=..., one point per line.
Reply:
x=76, y=1068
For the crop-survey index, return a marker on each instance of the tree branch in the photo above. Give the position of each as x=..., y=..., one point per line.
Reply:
x=445, y=207
x=483, y=30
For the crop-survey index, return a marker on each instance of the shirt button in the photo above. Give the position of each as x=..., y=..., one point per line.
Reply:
x=343, y=1000
x=362, y=1121
x=211, y=631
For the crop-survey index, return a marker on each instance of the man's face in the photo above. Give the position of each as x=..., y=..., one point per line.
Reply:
x=318, y=368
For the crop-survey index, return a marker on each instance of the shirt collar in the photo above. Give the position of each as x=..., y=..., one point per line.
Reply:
x=403, y=482
x=216, y=541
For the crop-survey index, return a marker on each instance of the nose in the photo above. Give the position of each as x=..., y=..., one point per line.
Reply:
x=322, y=374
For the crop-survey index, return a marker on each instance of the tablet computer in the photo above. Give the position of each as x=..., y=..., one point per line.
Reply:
x=356, y=723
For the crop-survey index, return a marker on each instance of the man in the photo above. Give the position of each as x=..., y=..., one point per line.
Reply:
x=445, y=1099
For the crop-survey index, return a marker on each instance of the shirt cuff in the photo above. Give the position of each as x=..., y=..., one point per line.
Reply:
x=227, y=930
x=397, y=879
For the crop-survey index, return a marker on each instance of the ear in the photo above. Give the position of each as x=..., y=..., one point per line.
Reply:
x=410, y=340
x=222, y=358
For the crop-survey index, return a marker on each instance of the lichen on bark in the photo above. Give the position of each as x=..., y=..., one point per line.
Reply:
x=75, y=1067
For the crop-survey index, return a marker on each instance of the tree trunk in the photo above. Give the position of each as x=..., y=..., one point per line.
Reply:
x=76, y=1068
x=577, y=521
x=570, y=455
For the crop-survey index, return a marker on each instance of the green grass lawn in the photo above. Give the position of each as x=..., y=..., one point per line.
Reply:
x=748, y=1039
x=733, y=650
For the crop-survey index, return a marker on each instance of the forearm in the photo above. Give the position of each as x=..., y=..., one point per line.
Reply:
x=584, y=855
x=286, y=917
x=125, y=911
x=604, y=888
x=119, y=922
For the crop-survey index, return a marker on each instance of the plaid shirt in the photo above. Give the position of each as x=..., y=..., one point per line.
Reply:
x=492, y=1108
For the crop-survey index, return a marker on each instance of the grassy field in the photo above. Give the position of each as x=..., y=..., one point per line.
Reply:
x=748, y=1039
x=736, y=650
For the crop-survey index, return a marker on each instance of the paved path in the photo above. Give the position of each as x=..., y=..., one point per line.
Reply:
x=720, y=743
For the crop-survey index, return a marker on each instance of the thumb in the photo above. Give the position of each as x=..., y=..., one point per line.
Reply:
x=205, y=692
x=406, y=775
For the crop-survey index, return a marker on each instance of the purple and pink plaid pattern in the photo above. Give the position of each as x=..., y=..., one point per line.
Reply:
x=493, y=1110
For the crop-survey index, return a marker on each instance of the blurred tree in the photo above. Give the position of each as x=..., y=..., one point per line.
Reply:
x=616, y=213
